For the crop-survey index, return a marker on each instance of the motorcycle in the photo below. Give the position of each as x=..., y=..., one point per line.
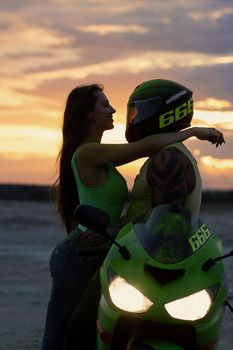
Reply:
x=163, y=284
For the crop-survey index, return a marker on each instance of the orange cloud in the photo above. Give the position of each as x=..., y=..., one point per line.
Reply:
x=222, y=119
x=216, y=173
x=214, y=163
x=104, y=29
x=212, y=104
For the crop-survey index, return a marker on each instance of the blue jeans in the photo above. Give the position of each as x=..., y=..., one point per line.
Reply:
x=70, y=276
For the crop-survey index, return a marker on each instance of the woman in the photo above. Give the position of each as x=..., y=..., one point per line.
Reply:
x=88, y=176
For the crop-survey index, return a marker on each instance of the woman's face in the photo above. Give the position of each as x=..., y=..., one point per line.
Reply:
x=102, y=114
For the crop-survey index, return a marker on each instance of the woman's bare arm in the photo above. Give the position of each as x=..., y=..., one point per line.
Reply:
x=94, y=154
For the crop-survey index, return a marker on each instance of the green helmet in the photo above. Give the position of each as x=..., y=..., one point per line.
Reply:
x=158, y=106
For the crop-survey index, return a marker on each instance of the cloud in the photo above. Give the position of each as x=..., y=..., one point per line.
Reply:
x=104, y=29
x=213, y=15
x=213, y=104
x=21, y=141
x=216, y=174
x=214, y=163
x=214, y=118
x=31, y=48
x=143, y=62
x=13, y=99
x=47, y=49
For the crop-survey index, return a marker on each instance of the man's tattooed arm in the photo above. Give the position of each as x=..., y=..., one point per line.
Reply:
x=171, y=176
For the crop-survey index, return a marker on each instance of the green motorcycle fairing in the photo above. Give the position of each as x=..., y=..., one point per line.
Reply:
x=167, y=254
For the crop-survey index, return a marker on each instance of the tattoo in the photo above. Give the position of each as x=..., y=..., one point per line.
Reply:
x=172, y=177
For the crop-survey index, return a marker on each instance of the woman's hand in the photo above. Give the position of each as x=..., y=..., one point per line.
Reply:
x=209, y=134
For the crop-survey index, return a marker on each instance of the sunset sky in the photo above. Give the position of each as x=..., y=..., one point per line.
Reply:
x=50, y=46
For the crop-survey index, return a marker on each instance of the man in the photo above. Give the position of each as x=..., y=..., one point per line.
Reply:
x=170, y=175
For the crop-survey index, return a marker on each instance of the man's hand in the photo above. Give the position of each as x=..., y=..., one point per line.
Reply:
x=209, y=134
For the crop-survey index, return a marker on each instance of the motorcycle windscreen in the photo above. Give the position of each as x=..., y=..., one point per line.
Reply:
x=171, y=233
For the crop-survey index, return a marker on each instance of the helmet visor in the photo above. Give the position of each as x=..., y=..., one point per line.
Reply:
x=141, y=110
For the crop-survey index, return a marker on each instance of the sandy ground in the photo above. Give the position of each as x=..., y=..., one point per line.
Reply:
x=28, y=231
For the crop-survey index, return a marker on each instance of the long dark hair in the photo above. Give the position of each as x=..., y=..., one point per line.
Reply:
x=80, y=102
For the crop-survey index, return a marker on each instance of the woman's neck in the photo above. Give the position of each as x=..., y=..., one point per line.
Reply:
x=91, y=139
x=94, y=136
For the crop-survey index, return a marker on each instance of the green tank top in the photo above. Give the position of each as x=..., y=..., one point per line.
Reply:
x=109, y=197
x=140, y=204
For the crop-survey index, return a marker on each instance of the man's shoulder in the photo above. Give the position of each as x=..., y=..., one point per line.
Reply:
x=168, y=157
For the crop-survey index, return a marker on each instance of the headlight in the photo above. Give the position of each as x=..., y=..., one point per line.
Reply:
x=190, y=308
x=127, y=297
